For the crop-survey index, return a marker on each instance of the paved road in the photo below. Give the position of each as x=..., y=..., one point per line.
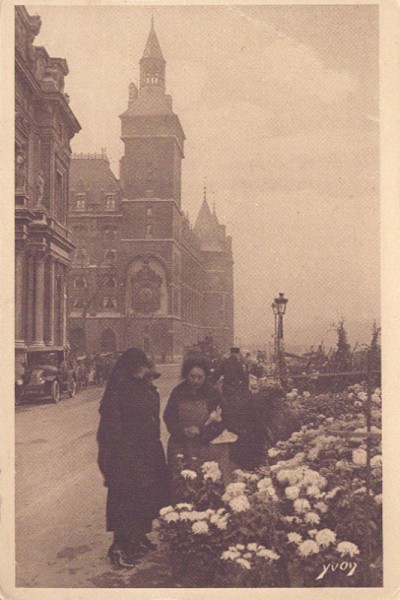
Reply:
x=60, y=498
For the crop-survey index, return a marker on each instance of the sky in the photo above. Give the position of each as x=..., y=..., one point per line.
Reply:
x=280, y=107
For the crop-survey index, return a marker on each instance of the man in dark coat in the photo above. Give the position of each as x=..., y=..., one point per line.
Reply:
x=233, y=373
x=131, y=457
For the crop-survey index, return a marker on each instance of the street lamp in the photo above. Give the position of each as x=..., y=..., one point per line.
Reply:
x=279, y=309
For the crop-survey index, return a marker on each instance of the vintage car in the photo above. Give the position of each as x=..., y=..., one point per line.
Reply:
x=48, y=374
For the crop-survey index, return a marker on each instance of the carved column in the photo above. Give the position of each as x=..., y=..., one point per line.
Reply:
x=38, y=338
x=20, y=312
x=51, y=299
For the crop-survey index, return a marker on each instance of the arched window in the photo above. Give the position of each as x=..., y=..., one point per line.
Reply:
x=109, y=303
x=108, y=341
x=80, y=282
x=110, y=282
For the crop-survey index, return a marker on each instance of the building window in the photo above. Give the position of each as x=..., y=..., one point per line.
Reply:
x=80, y=282
x=110, y=282
x=109, y=303
x=147, y=329
x=110, y=202
x=79, y=231
x=60, y=209
x=79, y=303
x=110, y=255
x=149, y=230
x=149, y=212
x=110, y=233
x=80, y=202
x=81, y=257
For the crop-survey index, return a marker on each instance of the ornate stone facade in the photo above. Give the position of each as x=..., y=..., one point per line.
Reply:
x=142, y=275
x=44, y=126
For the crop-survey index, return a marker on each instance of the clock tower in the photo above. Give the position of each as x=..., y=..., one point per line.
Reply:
x=152, y=133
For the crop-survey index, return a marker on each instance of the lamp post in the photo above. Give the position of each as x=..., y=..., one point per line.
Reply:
x=279, y=309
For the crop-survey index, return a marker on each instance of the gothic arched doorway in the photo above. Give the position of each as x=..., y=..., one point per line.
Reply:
x=108, y=341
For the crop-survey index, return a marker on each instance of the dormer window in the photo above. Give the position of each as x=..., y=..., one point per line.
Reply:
x=110, y=202
x=80, y=202
x=109, y=303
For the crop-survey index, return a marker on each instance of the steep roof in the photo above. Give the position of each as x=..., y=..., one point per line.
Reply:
x=153, y=48
x=91, y=174
x=207, y=229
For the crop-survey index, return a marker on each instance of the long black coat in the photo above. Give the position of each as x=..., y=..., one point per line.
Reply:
x=131, y=457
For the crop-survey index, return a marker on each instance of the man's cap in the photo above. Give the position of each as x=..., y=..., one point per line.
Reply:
x=235, y=350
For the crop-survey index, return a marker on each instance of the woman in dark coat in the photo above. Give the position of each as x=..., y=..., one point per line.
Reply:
x=194, y=418
x=131, y=457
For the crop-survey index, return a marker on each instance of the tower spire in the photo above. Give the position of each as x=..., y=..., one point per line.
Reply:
x=152, y=63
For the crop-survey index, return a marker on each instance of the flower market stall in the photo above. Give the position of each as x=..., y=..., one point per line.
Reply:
x=311, y=516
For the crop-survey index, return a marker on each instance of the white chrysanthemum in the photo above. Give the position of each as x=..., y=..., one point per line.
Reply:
x=312, y=518
x=325, y=537
x=239, y=546
x=359, y=457
x=239, y=504
x=347, y=548
x=252, y=547
x=313, y=491
x=235, y=489
x=211, y=471
x=321, y=506
x=230, y=555
x=188, y=474
x=314, y=453
x=222, y=525
x=301, y=505
x=186, y=515
x=307, y=548
x=171, y=517
x=378, y=499
x=264, y=484
x=243, y=563
x=362, y=396
x=184, y=506
x=376, y=398
x=312, y=532
x=306, y=395
x=294, y=538
x=282, y=476
x=165, y=510
x=200, y=527
x=292, y=492
x=376, y=461
x=273, y=452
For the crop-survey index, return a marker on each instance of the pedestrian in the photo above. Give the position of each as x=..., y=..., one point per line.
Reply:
x=194, y=418
x=131, y=457
x=232, y=372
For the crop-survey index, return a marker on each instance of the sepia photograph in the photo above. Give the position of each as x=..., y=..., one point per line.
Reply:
x=198, y=370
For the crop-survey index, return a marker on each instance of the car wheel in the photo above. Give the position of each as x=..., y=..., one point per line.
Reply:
x=55, y=391
x=72, y=389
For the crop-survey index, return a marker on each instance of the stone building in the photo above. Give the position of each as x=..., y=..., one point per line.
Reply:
x=142, y=275
x=44, y=126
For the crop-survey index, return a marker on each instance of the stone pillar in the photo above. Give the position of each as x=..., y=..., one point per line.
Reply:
x=64, y=305
x=51, y=311
x=38, y=338
x=20, y=308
